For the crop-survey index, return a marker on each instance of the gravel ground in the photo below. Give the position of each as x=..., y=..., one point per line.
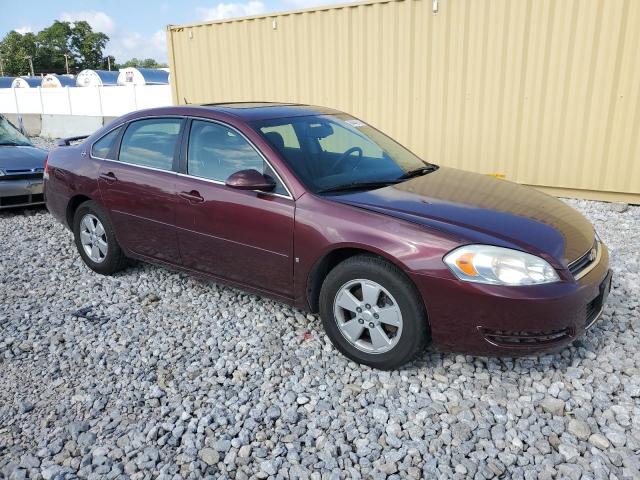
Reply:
x=45, y=143
x=151, y=373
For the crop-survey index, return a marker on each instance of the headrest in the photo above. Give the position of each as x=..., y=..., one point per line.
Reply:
x=276, y=140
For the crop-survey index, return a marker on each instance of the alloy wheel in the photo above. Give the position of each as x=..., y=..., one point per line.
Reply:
x=368, y=316
x=93, y=238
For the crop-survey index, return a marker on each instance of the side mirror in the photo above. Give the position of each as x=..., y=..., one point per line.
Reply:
x=251, y=180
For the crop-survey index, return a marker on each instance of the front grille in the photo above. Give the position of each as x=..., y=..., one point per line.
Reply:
x=21, y=176
x=507, y=338
x=594, y=307
x=584, y=263
x=15, y=200
x=17, y=171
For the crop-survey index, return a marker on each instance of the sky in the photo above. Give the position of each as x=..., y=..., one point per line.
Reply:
x=136, y=27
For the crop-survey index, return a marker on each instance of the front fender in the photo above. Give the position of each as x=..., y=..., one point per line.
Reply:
x=323, y=227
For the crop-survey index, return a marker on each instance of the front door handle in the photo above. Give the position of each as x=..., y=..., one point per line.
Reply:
x=108, y=177
x=192, y=197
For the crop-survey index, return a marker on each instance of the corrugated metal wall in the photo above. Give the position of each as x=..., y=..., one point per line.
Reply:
x=546, y=92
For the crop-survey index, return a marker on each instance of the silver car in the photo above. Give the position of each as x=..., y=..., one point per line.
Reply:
x=21, y=168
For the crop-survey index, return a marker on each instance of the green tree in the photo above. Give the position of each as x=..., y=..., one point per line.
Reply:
x=108, y=63
x=146, y=63
x=82, y=46
x=14, y=50
x=86, y=45
x=52, y=44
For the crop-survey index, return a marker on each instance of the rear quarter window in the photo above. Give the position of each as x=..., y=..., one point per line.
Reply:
x=104, y=147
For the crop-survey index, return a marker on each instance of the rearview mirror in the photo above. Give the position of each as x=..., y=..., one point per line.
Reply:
x=320, y=130
x=251, y=180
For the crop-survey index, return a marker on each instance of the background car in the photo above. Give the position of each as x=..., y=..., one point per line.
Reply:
x=319, y=209
x=21, y=168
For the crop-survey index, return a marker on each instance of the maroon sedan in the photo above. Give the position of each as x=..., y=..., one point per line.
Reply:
x=320, y=210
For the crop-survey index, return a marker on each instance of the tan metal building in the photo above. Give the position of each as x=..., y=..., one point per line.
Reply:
x=544, y=92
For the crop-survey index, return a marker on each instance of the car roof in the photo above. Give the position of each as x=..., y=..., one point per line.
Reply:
x=250, y=111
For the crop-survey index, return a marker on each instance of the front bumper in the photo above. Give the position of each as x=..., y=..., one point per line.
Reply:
x=20, y=193
x=510, y=321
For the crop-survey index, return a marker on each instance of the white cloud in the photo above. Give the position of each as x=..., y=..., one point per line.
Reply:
x=24, y=29
x=99, y=21
x=126, y=45
x=123, y=44
x=231, y=10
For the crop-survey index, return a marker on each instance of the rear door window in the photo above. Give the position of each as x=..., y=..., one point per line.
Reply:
x=151, y=143
x=104, y=148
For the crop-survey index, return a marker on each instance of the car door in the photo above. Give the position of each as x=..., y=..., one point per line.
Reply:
x=138, y=186
x=243, y=236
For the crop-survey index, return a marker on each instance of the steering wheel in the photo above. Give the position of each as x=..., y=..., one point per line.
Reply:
x=345, y=155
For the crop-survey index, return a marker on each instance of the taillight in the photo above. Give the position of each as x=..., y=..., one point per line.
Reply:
x=46, y=167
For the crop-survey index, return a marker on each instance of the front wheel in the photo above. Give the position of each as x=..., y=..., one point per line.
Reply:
x=372, y=313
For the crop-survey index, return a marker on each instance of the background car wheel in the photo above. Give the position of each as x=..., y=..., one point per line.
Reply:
x=373, y=313
x=96, y=241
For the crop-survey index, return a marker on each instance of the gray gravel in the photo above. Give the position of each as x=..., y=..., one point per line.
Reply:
x=42, y=142
x=151, y=373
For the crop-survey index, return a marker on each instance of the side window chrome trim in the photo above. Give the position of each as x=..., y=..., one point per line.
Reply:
x=289, y=196
x=251, y=144
x=126, y=124
x=218, y=182
x=173, y=172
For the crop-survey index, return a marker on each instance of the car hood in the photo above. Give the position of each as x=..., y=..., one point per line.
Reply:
x=477, y=208
x=22, y=157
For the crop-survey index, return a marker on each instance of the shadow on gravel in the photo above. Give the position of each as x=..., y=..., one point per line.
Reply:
x=559, y=361
x=429, y=360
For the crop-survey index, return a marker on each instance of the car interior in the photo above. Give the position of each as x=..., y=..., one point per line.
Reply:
x=324, y=153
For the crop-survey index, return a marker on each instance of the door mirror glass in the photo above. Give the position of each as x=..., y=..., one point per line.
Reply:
x=251, y=179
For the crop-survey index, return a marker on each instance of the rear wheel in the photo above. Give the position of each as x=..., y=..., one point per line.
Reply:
x=373, y=313
x=96, y=241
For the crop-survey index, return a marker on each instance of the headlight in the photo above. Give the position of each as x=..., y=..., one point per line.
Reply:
x=499, y=266
x=2, y=173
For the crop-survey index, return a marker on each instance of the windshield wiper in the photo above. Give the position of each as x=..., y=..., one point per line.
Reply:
x=418, y=172
x=11, y=144
x=358, y=186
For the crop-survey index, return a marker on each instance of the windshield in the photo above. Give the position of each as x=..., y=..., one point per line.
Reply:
x=9, y=135
x=329, y=152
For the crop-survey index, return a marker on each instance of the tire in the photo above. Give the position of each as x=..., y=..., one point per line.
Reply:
x=112, y=259
x=407, y=331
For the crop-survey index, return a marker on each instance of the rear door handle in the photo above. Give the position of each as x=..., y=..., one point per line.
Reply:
x=108, y=177
x=192, y=197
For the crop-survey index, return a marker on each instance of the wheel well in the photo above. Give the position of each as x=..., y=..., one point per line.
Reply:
x=72, y=206
x=323, y=267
